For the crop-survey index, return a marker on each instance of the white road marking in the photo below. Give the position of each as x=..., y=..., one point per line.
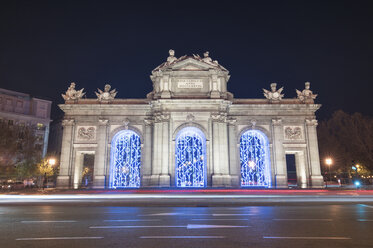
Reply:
x=130, y=220
x=195, y=226
x=233, y=214
x=223, y=219
x=113, y=227
x=189, y=226
x=182, y=237
x=59, y=238
x=302, y=219
x=48, y=221
x=329, y=238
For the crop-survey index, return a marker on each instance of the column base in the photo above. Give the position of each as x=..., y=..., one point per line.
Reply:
x=317, y=182
x=146, y=181
x=235, y=181
x=63, y=182
x=99, y=182
x=164, y=180
x=215, y=94
x=281, y=181
x=221, y=181
x=166, y=94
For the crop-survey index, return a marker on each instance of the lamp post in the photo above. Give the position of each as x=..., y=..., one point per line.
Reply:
x=328, y=162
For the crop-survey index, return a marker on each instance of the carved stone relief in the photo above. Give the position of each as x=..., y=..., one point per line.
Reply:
x=86, y=133
x=293, y=133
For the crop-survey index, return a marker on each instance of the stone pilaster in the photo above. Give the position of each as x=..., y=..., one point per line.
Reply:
x=164, y=179
x=161, y=142
x=279, y=154
x=234, y=167
x=220, y=177
x=317, y=180
x=146, y=168
x=99, y=175
x=64, y=177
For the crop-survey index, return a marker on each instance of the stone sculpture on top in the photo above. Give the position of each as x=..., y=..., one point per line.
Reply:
x=306, y=96
x=72, y=94
x=107, y=94
x=274, y=95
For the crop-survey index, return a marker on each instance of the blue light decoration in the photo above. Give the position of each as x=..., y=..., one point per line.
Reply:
x=254, y=158
x=190, y=158
x=125, y=160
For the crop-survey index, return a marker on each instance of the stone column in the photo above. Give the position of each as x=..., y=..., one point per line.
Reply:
x=146, y=169
x=279, y=154
x=157, y=155
x=317, y=180
x=234, y=169
x=164, y=178
x=99, y=178
x=221, y=177
x=64, y=177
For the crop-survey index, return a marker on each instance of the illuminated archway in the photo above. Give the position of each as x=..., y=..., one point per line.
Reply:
x=125, y=160
x=254, y=159
x=190, y=158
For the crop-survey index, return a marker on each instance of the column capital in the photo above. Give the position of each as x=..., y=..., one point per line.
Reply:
x=68, y=122
x=162, y=117
x=311, y=122
x=276, y=121
x=103, y=122
x=219, y=117
x=149, y=121
x=232, y=121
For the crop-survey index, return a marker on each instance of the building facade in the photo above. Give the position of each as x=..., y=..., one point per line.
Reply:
x=188, y=132
x=21, y=109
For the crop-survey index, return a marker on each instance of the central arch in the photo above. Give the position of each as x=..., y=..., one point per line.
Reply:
x=190, y=158
x=125, y=160
x=255, y=159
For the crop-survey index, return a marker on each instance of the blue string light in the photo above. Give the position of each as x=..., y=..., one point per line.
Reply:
x=254, y=158
x=190, y=157
x=125, y=160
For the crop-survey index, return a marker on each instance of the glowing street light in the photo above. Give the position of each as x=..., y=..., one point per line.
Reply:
x=329, y=162
x=52, y=161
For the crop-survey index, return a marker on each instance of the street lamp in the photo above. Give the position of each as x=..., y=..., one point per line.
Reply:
x=329, y=162
x=52, y=161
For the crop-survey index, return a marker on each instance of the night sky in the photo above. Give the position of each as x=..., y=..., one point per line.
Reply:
x=45, y=45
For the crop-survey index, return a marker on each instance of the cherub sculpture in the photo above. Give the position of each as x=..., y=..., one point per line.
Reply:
x=72, y=94
x=306, y=96
x=274, y=95
x=107, y=94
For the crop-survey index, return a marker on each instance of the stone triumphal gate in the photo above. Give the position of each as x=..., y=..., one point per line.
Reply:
x=188, y=132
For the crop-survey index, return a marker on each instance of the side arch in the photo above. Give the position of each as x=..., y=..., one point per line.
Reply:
x=255, y=159
x=125, y=160
x=190, y=158
x=190, y=124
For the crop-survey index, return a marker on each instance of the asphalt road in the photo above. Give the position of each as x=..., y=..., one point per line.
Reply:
x=92, y=225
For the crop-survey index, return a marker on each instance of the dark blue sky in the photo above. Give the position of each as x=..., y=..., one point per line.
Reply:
x=44, y=45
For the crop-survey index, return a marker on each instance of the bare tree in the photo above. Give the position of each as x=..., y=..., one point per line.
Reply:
x=348, y=139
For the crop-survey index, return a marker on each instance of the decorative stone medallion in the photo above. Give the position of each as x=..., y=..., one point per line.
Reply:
x=86, y=133
x=293, y=132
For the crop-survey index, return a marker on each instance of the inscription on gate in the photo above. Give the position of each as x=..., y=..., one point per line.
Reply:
x=189, y=83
